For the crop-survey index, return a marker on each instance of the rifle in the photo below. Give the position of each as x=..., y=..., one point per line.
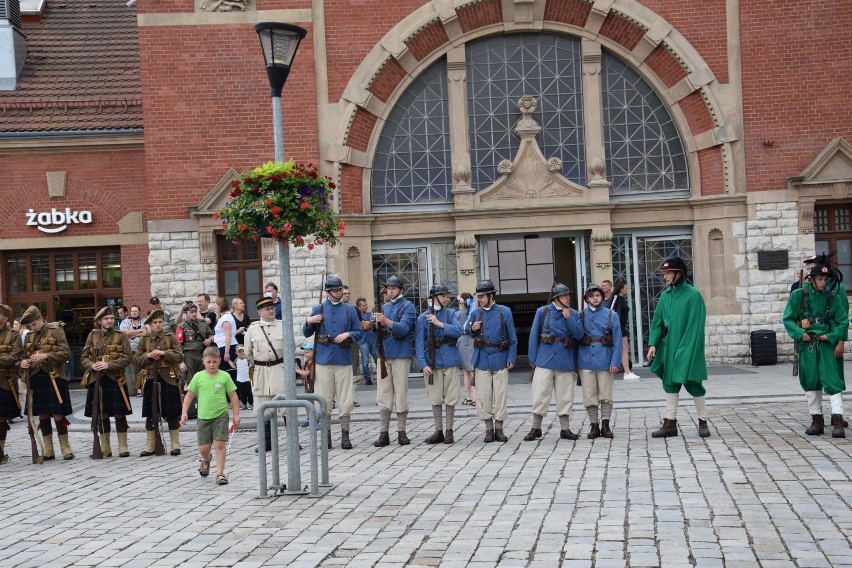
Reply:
x=312, y=377
x=153, y=375
x=582, y=304
x=431, y=379
x=31, y=427
x=97, y=403
x=801, y=315
x=380, y=339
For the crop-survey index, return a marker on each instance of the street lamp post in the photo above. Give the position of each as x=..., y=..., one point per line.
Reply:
x=279, y=43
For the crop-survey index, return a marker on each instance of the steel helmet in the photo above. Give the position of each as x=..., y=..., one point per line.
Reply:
x=559, y=289
x=593, y=288
x=395, y=281
x=333, y=283
x=438, y=289
x=485, y=287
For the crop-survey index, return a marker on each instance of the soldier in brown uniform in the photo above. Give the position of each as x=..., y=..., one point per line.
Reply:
x=11, y=351
x=105, y=356
x=158, y=355
x=46, y=351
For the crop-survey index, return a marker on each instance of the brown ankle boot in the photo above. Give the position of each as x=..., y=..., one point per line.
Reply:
x=594, y=431
x=448, y=437
x=567, y=434
x=703, y=429
x=837, y=422
x=817, y=426
x=384, y=440
x=668, y=429
x=605, y=431
x=402, y=438
x=489, y=436
x=436, y=438
x=500, y=436
x=344, y=440
x=534, y=434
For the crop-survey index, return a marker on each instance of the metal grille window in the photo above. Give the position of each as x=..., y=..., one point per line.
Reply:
x=644, y=151
x=833, y=236
x=412, y=161
x=502, y=69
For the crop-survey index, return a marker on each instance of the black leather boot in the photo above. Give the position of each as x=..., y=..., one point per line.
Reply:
x=448, y=437
x=402, y=438
x=817, y=426
x=605, y=431
x=500, y=436
x=703, y=429
x=436, y=438
x=567, y=434
x=384, y=440
x=594, y=431
x=344, y=440
x=534, y=434
x=837, y=422
x=668, y=429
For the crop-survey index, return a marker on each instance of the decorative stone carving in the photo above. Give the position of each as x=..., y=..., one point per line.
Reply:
x=225, y=5
x=208, y=250
x=461, y=172
x=505, y=167
x=530, y=176
x=268, y=248
x=597, y=168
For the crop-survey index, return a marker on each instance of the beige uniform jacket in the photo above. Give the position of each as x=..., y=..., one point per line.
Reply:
x=267, y=381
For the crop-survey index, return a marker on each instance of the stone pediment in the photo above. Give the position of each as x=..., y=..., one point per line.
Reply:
x=530, y=179
x=833, y=164
x=217, y=197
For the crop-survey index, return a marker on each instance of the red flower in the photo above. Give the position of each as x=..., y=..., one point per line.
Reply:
x=319, y=241
x=341, y=225
x=235, y=183
x=269, y=202
x=342, y=233
x=310, y=246
x=236, y=192
x=271, y=230
x=216, y=215
x=242, y=227
x=298, y=240
x=331, y=185
x=276, y=211
x=305, y=206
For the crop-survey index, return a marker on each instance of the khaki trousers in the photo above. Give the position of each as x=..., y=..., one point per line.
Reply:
x=597, y=387
x=544, y=383
x=492, y=392
x=334, y=382
x=392, y=391
x=445, y=388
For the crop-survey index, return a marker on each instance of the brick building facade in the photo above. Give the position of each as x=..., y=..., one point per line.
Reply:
x=525, y=140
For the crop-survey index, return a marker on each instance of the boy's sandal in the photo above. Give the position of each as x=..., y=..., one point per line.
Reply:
x=204, y=468
x=469, y=402
x=221, y=479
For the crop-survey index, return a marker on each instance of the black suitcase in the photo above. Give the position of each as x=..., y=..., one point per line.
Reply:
x=764, y=347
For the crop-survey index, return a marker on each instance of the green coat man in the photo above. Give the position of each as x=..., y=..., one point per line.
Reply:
x=817, y=319
x=676, y=343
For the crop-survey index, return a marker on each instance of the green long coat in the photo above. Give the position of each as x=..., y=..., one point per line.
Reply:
x=680, y=354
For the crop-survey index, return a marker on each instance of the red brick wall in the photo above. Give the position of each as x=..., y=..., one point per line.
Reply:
x=703, y=24
x=697, y=114
x=712, y=173
x=475, y=16
x=665, y=66
x=207, y=108
x=387, y=79
x=135, y=276
x=572, y=12
x=797, y=82
x=427, y=40
x=361, y=129
x=110, y=184
x=621, y=30
x=351, y=182
x=352, y=29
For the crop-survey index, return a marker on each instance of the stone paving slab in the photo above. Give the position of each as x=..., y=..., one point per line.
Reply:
x=757, y=493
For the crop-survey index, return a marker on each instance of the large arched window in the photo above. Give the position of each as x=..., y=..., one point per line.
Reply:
x=644, y=152
x=412, y=161
x=502, y=69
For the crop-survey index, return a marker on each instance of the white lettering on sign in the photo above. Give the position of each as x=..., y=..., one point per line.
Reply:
x=56, y=221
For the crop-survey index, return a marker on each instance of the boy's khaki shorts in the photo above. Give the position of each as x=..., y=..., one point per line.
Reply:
x=213, y=429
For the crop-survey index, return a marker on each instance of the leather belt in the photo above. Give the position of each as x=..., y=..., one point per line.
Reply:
x=269, y=363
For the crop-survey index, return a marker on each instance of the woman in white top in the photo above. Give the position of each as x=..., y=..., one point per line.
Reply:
x=225, y=335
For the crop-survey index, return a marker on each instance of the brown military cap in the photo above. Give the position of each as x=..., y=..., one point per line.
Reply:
x=190, y=308
x=263, y=303
x=105, y=311
x=30, y=315
x=156, y=314
x=7, y=311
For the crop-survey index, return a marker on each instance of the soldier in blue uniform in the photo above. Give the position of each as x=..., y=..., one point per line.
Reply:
x=555, y=329
x=599, y=358
x=495, y=349
x=396, y=324
x=437, y=332
x=335, y=325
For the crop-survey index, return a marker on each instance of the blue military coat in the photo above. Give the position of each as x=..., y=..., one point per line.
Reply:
x=337, y=318
x=398, y=340
x=556, y=356
x=497, y=326
x=597, y=323
x=446, y=355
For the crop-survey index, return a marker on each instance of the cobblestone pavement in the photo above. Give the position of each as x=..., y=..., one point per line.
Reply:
x=758, y=492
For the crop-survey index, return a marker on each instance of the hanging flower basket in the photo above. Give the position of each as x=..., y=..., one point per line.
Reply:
x=285, y=201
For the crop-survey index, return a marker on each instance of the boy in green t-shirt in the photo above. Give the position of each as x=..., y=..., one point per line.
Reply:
x=212, y=426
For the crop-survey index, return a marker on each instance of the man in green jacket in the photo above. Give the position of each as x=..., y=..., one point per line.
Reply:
x=676, y=349
x=817, y=319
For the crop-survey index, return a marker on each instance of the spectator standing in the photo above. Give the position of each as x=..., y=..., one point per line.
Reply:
x=618, y=303
x=224, y=335
x=367, y=347
x=606, y=286
x=241, y=319
x=205, y=311
x=465, y=345
x=134, y=328
x=244, y=380
x=271, y=291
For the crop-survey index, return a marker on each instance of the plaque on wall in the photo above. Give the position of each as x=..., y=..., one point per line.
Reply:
x=772, y=260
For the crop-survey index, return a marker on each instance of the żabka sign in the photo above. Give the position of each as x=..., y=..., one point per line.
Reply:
x=56, y=221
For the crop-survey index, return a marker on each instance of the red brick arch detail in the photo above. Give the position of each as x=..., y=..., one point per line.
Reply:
x=712, y=171
x=621, y=30
x=696, y=112
x=386, y=80
x=362, y=127
x=666, y=66
x=572, y=12
x=481, y=14
x=352, y=188
x=427, y=40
